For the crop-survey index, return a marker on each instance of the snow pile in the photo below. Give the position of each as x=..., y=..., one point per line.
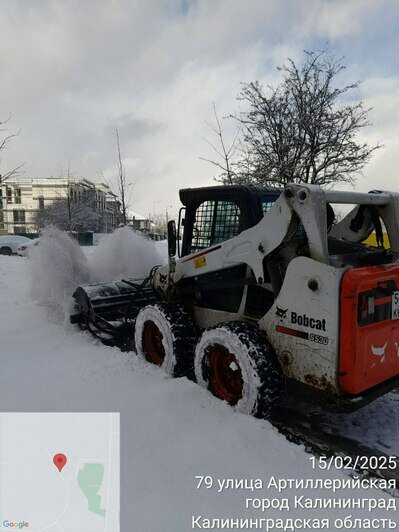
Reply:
x=58, y=266
x=122, y=254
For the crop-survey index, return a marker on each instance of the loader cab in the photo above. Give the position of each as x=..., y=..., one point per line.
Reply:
x=215, y=214
x=211, y=216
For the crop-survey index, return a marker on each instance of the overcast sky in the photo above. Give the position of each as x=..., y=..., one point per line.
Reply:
x=72, y=70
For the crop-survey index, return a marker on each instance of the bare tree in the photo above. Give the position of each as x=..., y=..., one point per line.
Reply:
x=15, y=172
x=160, y=224
x=305, y=129
x=73, y=210
x=69, y=215
x=225, y=151
x=7, y=138
x=121, y=185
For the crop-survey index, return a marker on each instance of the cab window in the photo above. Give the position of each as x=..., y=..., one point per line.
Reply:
x=215, y=221
x=267, y=203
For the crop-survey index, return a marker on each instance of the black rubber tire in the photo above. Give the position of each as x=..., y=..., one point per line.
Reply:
x=178, y=337
x=261, y=376
x=5, y=250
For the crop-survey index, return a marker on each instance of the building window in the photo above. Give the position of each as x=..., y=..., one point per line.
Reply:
x=41, y=202
x=9, y=195
x=17, y=195
x=18, y=216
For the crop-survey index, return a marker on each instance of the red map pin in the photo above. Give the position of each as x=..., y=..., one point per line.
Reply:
x=59, y=461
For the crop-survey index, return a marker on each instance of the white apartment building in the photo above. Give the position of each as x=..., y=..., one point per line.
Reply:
x=20, y=200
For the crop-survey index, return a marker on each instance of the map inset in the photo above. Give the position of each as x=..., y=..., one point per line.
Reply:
x=59, y=472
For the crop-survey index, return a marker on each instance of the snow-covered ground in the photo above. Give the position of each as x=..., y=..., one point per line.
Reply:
x=171, y=429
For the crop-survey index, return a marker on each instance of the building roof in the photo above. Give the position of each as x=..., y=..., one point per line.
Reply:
x=136, y=216
x=59, y=180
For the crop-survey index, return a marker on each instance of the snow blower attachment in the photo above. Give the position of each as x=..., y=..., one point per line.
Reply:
x=267, y=295
x=108, y=310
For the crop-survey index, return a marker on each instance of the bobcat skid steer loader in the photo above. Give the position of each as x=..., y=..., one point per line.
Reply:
x=266, y=296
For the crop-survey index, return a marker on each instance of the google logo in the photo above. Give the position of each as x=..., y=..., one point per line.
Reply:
x=14, y=524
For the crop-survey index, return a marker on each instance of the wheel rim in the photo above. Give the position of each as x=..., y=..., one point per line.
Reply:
x=225, y=376
x=152, y=343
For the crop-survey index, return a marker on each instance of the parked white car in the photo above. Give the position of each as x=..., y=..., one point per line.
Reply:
x=25, y=248
x=10, y=243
